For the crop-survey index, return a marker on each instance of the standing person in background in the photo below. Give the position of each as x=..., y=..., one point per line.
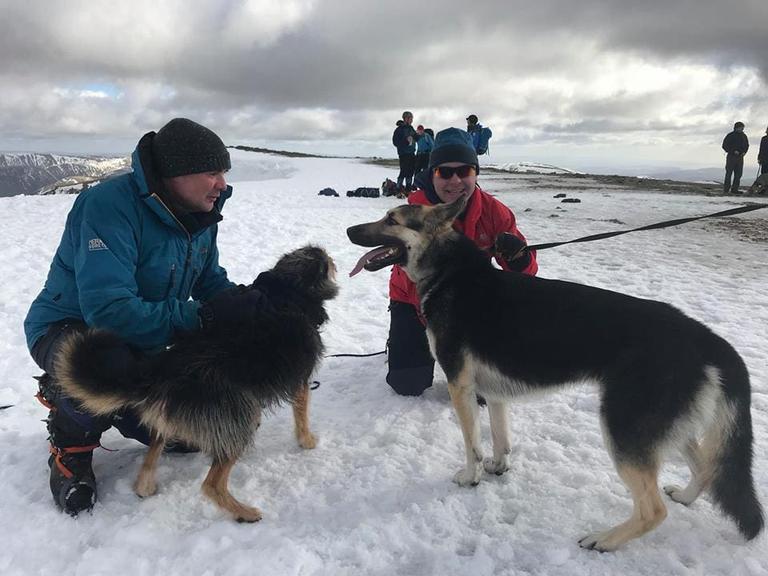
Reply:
x=404, y=139
x=762, y=154
x=735, y=145
x=424, y=143
x=480, y=135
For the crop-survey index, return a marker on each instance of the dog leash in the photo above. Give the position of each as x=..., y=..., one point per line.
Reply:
x=316, y=383
x=665, y=224
x=356, y=355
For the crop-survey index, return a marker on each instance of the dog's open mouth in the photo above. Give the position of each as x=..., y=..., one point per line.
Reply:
x=378, y=258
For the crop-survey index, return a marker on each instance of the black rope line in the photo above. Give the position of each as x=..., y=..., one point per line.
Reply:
x=666, y=224
x=356, y=355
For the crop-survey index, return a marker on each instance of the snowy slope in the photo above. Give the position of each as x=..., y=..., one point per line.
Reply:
x=376, y=495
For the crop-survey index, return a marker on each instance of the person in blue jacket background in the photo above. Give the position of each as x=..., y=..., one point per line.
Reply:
x=138, y=257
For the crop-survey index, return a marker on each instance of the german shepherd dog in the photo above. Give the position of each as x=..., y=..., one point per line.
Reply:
x=209, y=388
x=665, y=380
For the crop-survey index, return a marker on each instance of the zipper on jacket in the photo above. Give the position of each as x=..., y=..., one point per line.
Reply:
x=171, y=281
x=187, y=261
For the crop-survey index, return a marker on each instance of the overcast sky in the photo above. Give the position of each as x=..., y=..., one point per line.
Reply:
x=587, y=83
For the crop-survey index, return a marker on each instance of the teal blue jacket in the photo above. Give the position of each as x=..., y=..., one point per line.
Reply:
x=128, y=264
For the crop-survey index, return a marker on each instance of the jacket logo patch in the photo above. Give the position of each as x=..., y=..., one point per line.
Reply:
x=96, y=244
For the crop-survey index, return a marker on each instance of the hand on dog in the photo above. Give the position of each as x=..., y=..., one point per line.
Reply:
x=513, y=250
x=230, y=307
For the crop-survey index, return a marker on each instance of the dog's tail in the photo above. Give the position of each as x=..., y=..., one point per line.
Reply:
x=733, y=488
x=100, y=371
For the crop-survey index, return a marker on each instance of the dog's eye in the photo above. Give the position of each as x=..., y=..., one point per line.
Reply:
x=390, y=221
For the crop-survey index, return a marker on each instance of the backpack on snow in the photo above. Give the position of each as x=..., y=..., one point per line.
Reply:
x=482, y=140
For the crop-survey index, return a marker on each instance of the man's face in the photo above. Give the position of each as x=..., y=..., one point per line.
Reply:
x=196, y=192
x=408, y=120
x=452, y=188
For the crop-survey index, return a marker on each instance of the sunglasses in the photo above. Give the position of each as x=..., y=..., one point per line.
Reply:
x=447, y=172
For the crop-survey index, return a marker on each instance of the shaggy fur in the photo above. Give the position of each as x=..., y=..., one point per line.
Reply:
x=664, y=379
x=209, y=389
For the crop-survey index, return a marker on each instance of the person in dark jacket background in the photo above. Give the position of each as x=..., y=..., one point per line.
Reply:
x=735, y=145
x=452, y=174
x=762, y=154
x=404, y=139
x=134, y=250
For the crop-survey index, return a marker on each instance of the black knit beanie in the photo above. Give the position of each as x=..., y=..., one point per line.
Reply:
x=185, y=147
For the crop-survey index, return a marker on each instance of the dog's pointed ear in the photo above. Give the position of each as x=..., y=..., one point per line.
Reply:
x=444, y=214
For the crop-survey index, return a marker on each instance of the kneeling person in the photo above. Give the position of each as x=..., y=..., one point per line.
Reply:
x=452, y=174
x=138, y=257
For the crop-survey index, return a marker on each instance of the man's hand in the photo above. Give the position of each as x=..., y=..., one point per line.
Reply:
x=513, y=251
x=231, y=307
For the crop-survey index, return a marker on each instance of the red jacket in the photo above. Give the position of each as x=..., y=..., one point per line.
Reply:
x=484, y=219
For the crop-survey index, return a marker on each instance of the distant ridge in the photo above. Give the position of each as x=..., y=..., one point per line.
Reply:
x=531, y=168
x=33, y=173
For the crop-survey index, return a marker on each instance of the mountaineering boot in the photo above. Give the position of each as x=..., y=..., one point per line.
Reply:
x=73, y=483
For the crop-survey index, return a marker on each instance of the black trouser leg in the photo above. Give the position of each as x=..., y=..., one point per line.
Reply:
x=410, y=171
x=411, y=365
x=734, y=165
x=737, y=171
x=403, y=160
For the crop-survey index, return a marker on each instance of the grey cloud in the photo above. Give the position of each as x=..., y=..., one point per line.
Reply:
x=333, y=69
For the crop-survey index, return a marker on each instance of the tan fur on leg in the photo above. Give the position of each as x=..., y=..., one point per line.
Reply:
x=301, y=418
x=216, y=488
x=500, y=436
x=701, y=475
x=146, y=481
x=649, y=510
x=465, y=404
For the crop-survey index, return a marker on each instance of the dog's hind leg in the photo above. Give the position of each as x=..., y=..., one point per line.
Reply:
x=500, y=436
x=701, y=475
x=146, y=481
x=301, y=418
x=216, y=488
x=465, y=404
x=649, y=510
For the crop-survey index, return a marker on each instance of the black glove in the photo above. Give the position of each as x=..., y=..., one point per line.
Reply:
x=231, y=307
x=513, y=251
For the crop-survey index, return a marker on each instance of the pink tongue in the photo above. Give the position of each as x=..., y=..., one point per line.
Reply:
x=365, y=258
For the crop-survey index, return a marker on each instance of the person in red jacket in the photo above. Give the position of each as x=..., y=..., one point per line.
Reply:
x=452, y=173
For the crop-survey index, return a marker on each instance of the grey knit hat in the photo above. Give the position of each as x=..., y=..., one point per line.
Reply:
x=185, y=147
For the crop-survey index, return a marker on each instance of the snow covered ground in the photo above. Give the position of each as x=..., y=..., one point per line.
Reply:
x=375, y=497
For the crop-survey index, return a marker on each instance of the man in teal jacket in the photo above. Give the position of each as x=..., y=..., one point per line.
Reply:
x=138, y=257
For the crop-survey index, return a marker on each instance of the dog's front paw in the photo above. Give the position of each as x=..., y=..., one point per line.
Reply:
x=679, y=495
x=307, y=441
x=497, y=467
x=145, y=487
x=468, y=476
x=248, y=514
x=607, y=541
x=592, y=542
